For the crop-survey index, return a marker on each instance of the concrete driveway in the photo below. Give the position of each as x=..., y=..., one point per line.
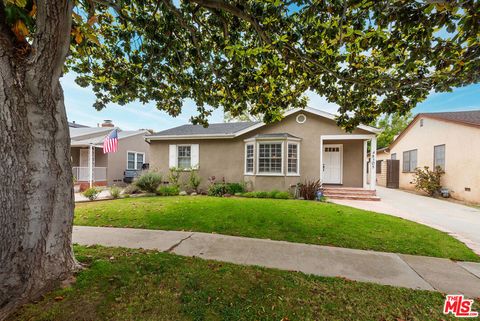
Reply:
x=462, y=222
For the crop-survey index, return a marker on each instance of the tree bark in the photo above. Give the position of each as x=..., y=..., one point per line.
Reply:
x=36, y=193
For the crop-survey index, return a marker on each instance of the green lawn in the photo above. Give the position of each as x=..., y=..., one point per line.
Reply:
x=122, y=284
x=289, y=220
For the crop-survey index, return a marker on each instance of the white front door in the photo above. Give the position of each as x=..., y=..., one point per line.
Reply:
x=332, y=163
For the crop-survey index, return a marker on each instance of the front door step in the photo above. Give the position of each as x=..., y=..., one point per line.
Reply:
x=358, y=194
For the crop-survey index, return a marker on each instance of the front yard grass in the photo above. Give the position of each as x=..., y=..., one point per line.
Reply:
x=125, y=284
x=288, y=220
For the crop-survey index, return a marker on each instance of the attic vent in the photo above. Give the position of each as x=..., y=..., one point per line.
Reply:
x=301, y=118
x=421, y=122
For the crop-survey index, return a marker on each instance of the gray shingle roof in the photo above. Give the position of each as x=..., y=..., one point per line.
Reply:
x=276, y=135
x=212, y=129
x=471, y=117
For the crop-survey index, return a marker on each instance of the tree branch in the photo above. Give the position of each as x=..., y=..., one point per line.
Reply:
x=221, y=5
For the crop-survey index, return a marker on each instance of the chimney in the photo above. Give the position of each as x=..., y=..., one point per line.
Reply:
x=107, y=123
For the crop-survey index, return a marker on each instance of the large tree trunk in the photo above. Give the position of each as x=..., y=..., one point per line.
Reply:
x=36, y=195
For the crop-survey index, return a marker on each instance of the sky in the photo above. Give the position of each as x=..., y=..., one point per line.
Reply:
x=79, y=104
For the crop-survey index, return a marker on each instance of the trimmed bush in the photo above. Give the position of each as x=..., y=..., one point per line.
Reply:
x=168, y=191
x=115, y=192
x=92, y=193
x=272, y=194
x=149, y=182
x=234, y=188
x=282, y=195
x=131, y=189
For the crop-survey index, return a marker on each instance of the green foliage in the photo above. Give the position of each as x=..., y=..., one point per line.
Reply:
x=262, y=194
x=259, y=58
x=149, y=181
x=168, y=190
x=391, y=126
x=115, y=191
x=234, y=188
x=427, y=180
x=309, y=189
x=92, y=193
x=194, y=180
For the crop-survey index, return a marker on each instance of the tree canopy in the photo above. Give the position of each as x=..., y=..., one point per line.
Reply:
x=260, y=57
x=391, y=126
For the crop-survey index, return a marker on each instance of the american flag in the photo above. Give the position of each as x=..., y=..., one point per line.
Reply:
x=110, y=144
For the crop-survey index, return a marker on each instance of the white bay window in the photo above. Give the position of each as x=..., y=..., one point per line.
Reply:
x=293, y=158
x=270, y=158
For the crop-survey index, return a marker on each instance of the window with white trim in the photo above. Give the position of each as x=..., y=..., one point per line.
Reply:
x=249, y=158
x=439, y=156
x=184, y=156
x=135, y=160
x=292, y=158
x=270, y=158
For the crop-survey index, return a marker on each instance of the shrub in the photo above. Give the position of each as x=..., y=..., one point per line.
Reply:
x=233, y=188
x=131, y=189
x=427, y=180
x=149, y=181
x=217, y=189
x=282, y=195
x=115, y=192
x=309, y=189
x=168, y=190
x=272, y=193
x=91, y=193
x=194, y=180
x=248, y=194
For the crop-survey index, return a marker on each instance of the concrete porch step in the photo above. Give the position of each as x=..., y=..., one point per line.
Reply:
x=357, y=197
x=344, y=192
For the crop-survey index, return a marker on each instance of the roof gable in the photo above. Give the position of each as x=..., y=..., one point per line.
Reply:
x=466, y=118
x=231, y=130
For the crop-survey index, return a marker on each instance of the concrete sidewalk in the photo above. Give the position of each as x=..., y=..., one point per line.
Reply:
x=416, y=272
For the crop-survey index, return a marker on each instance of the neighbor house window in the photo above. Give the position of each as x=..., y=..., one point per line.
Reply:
x=292, y=158
x=184, y=154
x=270, y=158
x=379, y=166
x=135, y=160
x=409, y=161
x=394, y=156
x=439, y=156
x=249, y=159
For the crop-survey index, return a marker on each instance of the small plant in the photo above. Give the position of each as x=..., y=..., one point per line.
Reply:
x=115, y=191
x=149, y=181
x=174, y=176
x=91, y=193
x=168, y=190
x=131, y=189
x=234, y=188
x=217, y=189
x=427, y=180
x=309, y=189
x=194, y=180
x=282, y=195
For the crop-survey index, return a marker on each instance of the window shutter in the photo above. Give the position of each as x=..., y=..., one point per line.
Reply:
x=172, y=156
x=195, y=159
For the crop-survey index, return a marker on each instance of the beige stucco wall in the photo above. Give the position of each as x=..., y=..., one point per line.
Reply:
x=225, y=157
x=117, y=162
x=462, y=155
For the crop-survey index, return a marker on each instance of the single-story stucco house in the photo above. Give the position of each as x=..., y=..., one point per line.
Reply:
x=306, y=145
x=106, y=169
x=450, y=140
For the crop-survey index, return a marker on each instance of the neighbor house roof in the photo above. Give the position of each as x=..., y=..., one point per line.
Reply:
x=75, y=125
x=231, y=130
x=467, y=118
x=97, y=140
